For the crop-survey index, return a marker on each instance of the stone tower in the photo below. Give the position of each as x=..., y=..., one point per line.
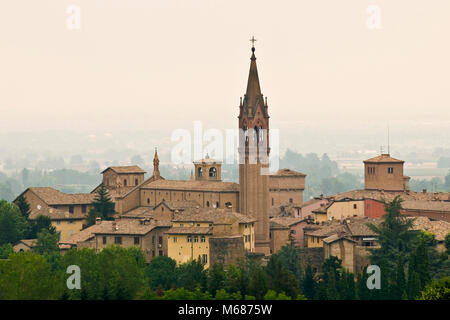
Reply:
x=385, y=173
x=208, y=169
x=253, y=158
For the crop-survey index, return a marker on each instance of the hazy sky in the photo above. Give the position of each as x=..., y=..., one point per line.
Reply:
x=162, y=64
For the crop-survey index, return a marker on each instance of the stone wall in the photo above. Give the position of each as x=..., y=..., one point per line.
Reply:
x=315, y=256
x=227, y=250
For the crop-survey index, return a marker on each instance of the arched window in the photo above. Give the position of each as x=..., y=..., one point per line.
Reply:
x=207, y=204
x=255, y=134
x=125, y=182
x=217, y=204
x=136, y=182
x=261, y=131
x=200, y=172
x=148, y=200
x=213, y=172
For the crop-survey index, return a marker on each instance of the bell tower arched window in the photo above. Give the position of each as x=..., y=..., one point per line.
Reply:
x=212, y=172
x=200, y=172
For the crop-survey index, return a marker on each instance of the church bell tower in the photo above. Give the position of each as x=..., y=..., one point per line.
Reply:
x=253, y=158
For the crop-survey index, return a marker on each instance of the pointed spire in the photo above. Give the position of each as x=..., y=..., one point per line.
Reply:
x=156, y=164
x=253, y=87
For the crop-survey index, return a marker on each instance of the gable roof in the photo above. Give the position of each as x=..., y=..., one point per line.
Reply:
x=129, y=227
x=178, y=205
x=125, y=169
x=52, y=196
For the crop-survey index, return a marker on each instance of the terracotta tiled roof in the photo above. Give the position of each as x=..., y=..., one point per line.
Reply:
x=210, y=215
x=353, y=227
x=288, y=172
x=426, y=205
x=439, y=228
x=125, y=169
x=383, y=158
x=390, y=195
x=30, y=243
x=327, y=229
x=215, y=186
x=286, y=221
x=178, y=205
x=189, y=230
x=336, y=237
x=55, y=197
x=358, y=226
x=139, y=212
x=86, y=234
x=129, y=227
x=275, y=225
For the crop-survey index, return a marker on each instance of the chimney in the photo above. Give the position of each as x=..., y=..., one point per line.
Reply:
x=424, y=191
x=98, y=220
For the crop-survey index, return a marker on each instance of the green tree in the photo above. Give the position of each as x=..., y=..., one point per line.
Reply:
x=258, y=284
x=12, y=224
x=215, y=278
x=46, y=242
x=280, y=277
x=6, y=250
x=394, y=236
x=447, y=242
x=37, y=225
x=28, y=276
x=399, y=286
x=161, y=271
x=437, y=290
x=309, y=284
x=102, y=207
x=23, y=206
x=190, y=275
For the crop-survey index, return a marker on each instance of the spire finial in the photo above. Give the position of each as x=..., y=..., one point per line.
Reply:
x=253, y=40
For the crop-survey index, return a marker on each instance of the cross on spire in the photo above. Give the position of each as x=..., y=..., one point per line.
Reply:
x=253, y=40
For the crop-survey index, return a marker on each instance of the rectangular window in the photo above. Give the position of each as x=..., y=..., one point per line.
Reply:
x=205, y=258
x=160, y=240
x=174, y=239
x=181, y=225
x=153, y=239
x=83, y=208
x=70, y=209
x=136, y=240
x=390, y=170
x=153, y=253
x=104, y=240
x=118, y=240
x=160, y=252
x=195, y=239
x=203, y=239
x=189, y=239
x=354, y=206
x=58, y=222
